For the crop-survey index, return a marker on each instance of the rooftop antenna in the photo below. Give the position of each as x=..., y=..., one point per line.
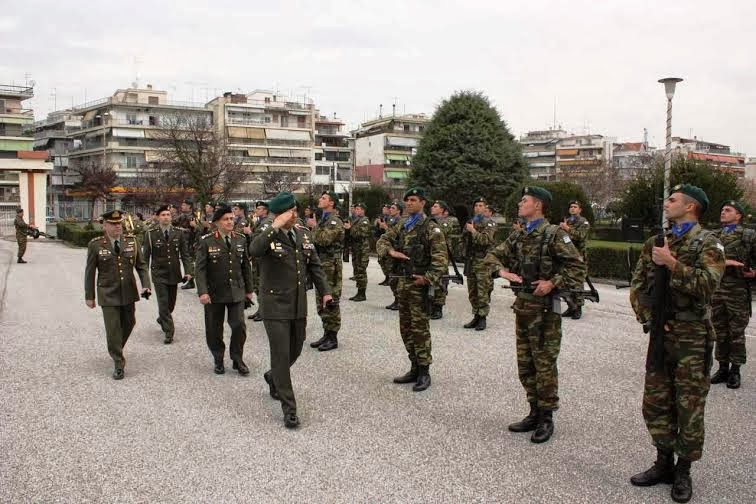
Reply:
x=645, y=138
x=554, y=124
x=380, y=111
x=137, y=62
x=393, y=113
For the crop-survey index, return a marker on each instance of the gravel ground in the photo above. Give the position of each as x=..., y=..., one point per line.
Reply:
x=172, y=431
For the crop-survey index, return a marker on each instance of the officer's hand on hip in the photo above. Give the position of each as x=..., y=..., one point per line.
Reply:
x=205, y=299
x=543, y=287
x=90, y=303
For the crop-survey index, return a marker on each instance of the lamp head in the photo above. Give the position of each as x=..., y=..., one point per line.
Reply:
x=669, y=85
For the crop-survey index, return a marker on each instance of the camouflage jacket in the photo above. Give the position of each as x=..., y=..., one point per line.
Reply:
x=546, y=253
x=739, y=245
x=21, y=227
x=360, y=233
x=478, y=244
x=579, y=228
x=452, y=234
x=424, y=244
x=165, y=257
x=115, y=282
x=329, y=237
x=692, y=283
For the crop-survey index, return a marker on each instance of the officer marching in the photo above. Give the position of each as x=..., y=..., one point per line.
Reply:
x=674, y=397
x=111, y=261
x=360, y=232
x=539, y=259
x=478, y=237
x=417, y=246
x=165, y=252
x=328, y=235
x=577, y=227
x=224, y=281
x=731, y=305
x=285, y=254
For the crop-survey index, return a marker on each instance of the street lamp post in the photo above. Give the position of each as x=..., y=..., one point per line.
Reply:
x=669, y=89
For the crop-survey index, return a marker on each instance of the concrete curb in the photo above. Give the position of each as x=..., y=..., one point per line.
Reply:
x=6, y=258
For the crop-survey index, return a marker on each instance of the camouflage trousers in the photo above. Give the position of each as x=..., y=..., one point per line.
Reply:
x=414, y=324
x=731, y=311
x=331, y=318
x=539, y=338
x=439, y=296
x=360, y=262
x=21, y=246
x=479, y=287
x=674, y=399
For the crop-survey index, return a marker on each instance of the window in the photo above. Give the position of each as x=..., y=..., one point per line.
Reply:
x=2, y=107
x=406, y=128
x=420, y=128
x=267, y=99
x=301, y=122
x=267, y=119
x=131, y=118
x=153, y=121
x=284, y=121
x=318, y=156
x=322, y=170
x=153, y=100
x=131, y=161
x=131, y=142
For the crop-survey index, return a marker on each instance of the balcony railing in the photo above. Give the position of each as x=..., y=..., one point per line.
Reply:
x=19, y=111
x=21, y=91
x=112, y=100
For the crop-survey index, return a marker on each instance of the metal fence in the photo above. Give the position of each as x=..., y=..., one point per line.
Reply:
x=7, y=216
x=81, y=210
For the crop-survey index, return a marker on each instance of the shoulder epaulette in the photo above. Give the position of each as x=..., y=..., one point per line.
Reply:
x=96, y=238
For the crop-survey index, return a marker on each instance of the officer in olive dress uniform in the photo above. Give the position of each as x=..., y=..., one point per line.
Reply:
x=165, y=251
x=111, y=260
x=286, y=254
x=224, y=281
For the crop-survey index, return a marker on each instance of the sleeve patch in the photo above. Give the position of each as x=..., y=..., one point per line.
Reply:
x=566, y=239
x=490, y=224
x=720, y=247
x=436, y=230
x=333, y=222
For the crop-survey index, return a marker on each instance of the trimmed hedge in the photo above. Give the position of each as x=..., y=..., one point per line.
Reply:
x=616, y=261
x=75, y=234
x=607, y=233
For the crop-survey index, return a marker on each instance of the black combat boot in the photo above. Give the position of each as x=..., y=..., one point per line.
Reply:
x=577, y=314
x=682, y=487
x=409, y=377
x=437, y=313
x=318, y=342
x=331, y=342
x=423, y=379
x=360, y=296
x=528, y=423
x=733, y=379
x=663, y=470
x=188, y=285
x=545, y=427
x=722, y=374
x=481, y=325
x=393, y=306
x=473, y=323
x=385, y=281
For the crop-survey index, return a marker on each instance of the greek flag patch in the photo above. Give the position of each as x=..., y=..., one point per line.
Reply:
x=566, y=239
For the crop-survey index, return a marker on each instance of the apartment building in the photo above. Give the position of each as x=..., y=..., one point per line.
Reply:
x=539, y=150
x=718, y=156
x=578, y=155
x=333, y=156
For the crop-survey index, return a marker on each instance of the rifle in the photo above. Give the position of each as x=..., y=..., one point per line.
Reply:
x=655, y=354
x=468, y=252
x=347, y=245
x=406, y=271
x=591, y=294
x=36, y=233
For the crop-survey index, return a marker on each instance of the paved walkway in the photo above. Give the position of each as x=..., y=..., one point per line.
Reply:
x=172, y=431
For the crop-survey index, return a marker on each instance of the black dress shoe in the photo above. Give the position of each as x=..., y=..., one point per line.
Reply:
x=385, y=281
x=722, y=373
x=473, y=323
x=568, y=312
x=219, y=368
x=481, y=325
x=241, y=367
x=271, y=386
x=118, y=373
x=257, y=317
x=168, y=339
x=188, y=285
x=291, y=421
x=21, y=261
x=437, y=312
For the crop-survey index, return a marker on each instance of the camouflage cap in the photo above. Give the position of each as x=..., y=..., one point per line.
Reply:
x=415, y=191
x=281, y=202
x=734, y=204
x=221, y=211
x=694, y=192
x=537, y=192
x=113, y=217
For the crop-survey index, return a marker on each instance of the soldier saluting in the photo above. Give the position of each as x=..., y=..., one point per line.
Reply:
x=111, y=260
x=165, y=251
x=674, y=395
x=224, y=281
x=540, y=258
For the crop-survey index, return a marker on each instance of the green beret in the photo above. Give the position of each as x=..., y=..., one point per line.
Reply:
x=113, y=217
x=189, y=202
x=694, y=192
x=415, y=191
x=261, y=203
x=281, y=202
x=221, y=204
x=480, y=199
x=243, y=206
x=164, y=208
x=361, y=205
x=734, y=204
x=334, y=197
x=398, y=204
x=210, y=203
x=537, y=192
x=386, y=205
x=442, y=204
x=221, y=211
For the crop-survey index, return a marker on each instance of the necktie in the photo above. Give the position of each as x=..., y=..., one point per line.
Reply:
x=292, y=238
x=228, y=243
x=117, y=247
x=166, y=234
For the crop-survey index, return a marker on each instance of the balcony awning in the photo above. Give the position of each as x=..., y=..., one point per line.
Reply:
x=397, y=157
x=279, y=152
x=152, y=156
x=257, y=152
x=401, y=141
x=128, y=133
x=282, y=134
x=250, y=133
x=396, y=174
x=567, y=152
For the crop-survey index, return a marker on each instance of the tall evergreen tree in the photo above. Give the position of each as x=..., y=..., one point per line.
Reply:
x=467, y=151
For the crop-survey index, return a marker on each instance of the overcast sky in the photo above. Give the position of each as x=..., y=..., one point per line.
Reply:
x=597, y=61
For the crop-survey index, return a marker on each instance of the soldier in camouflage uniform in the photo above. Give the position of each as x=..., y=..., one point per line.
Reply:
x=378, y=229
x=577, y=228
x=188, y=220
x=395, y=214
x=478, y=238
x=165, y=250
x=449, y=226
x=418, y=247
x=360, y=232
x=328, y=234
x=111, y=261
x=541, y=259
x=21, y=229
x=674, y=398
x=731, y=306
